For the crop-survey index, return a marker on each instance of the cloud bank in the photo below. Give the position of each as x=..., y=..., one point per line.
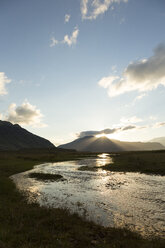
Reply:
x=3, y=81
x=106, y=131
x=142, y=76
x=25, y=114
x=91, y=9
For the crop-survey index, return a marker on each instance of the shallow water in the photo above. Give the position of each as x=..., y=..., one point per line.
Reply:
x=132, y=200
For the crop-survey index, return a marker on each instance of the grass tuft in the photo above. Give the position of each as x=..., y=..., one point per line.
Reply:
x=46, y=176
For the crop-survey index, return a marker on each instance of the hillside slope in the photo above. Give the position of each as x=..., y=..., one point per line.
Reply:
x=14, y=137
x=160, y=140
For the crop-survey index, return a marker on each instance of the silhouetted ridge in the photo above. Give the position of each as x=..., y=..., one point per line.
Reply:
x=160, y=140
x=14, y=137
x=103, y=144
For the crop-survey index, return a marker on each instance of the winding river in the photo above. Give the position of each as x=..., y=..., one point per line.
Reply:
x=132, y=200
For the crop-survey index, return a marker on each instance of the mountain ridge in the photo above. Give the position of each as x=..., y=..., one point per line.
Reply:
x=160, y=140
x=14, y=137
x=103, y=144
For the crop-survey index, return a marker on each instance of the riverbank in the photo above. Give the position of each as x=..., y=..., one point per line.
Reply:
x=148, y=162
x=30, y=226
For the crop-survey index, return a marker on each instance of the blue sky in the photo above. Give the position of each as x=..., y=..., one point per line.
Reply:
x=100, y=67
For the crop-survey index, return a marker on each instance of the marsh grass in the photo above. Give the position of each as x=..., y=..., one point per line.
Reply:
x=25, y=225
x=88, y=168
x=152, y=162
x=45, y=176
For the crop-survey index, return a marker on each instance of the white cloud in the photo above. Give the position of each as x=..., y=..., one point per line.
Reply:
x=3, y=81
x=67, y=18
x=91, y=9
x=53, y=42
x=25, y=114
x=140, y=97
x=73, y=38
x=142, y=76
x=106, y=81
x=159, y=124
x=69, y=40
x=84, y=8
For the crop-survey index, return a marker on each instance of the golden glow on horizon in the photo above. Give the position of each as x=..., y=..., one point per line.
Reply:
x=102, y=135
x=109, y=136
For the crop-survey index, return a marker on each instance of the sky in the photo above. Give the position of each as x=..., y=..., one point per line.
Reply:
x=71, y=68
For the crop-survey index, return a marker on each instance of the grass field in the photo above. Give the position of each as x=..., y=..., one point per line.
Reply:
x=25, y=225
x=143, y=162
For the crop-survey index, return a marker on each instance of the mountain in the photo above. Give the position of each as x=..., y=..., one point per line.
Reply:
x=103, y=144
x=160, y=140
x=14, y=137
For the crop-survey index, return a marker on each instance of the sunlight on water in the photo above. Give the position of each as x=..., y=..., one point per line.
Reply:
x=103, y=155
x=103, y=159
x=131, y=200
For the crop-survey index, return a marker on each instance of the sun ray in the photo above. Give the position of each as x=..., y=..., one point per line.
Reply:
x=109, y=136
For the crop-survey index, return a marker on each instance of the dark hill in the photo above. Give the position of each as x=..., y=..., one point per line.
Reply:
x=103, y=144
x=14, y=137
x=160, y=140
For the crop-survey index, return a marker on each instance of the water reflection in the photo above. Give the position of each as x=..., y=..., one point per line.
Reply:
x=130, y=200
x=103, y=155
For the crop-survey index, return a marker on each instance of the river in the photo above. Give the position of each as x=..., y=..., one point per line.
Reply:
x=132, y=200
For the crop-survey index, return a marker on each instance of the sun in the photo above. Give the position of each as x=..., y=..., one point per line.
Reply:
x=102, y=135
x=109, y=136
